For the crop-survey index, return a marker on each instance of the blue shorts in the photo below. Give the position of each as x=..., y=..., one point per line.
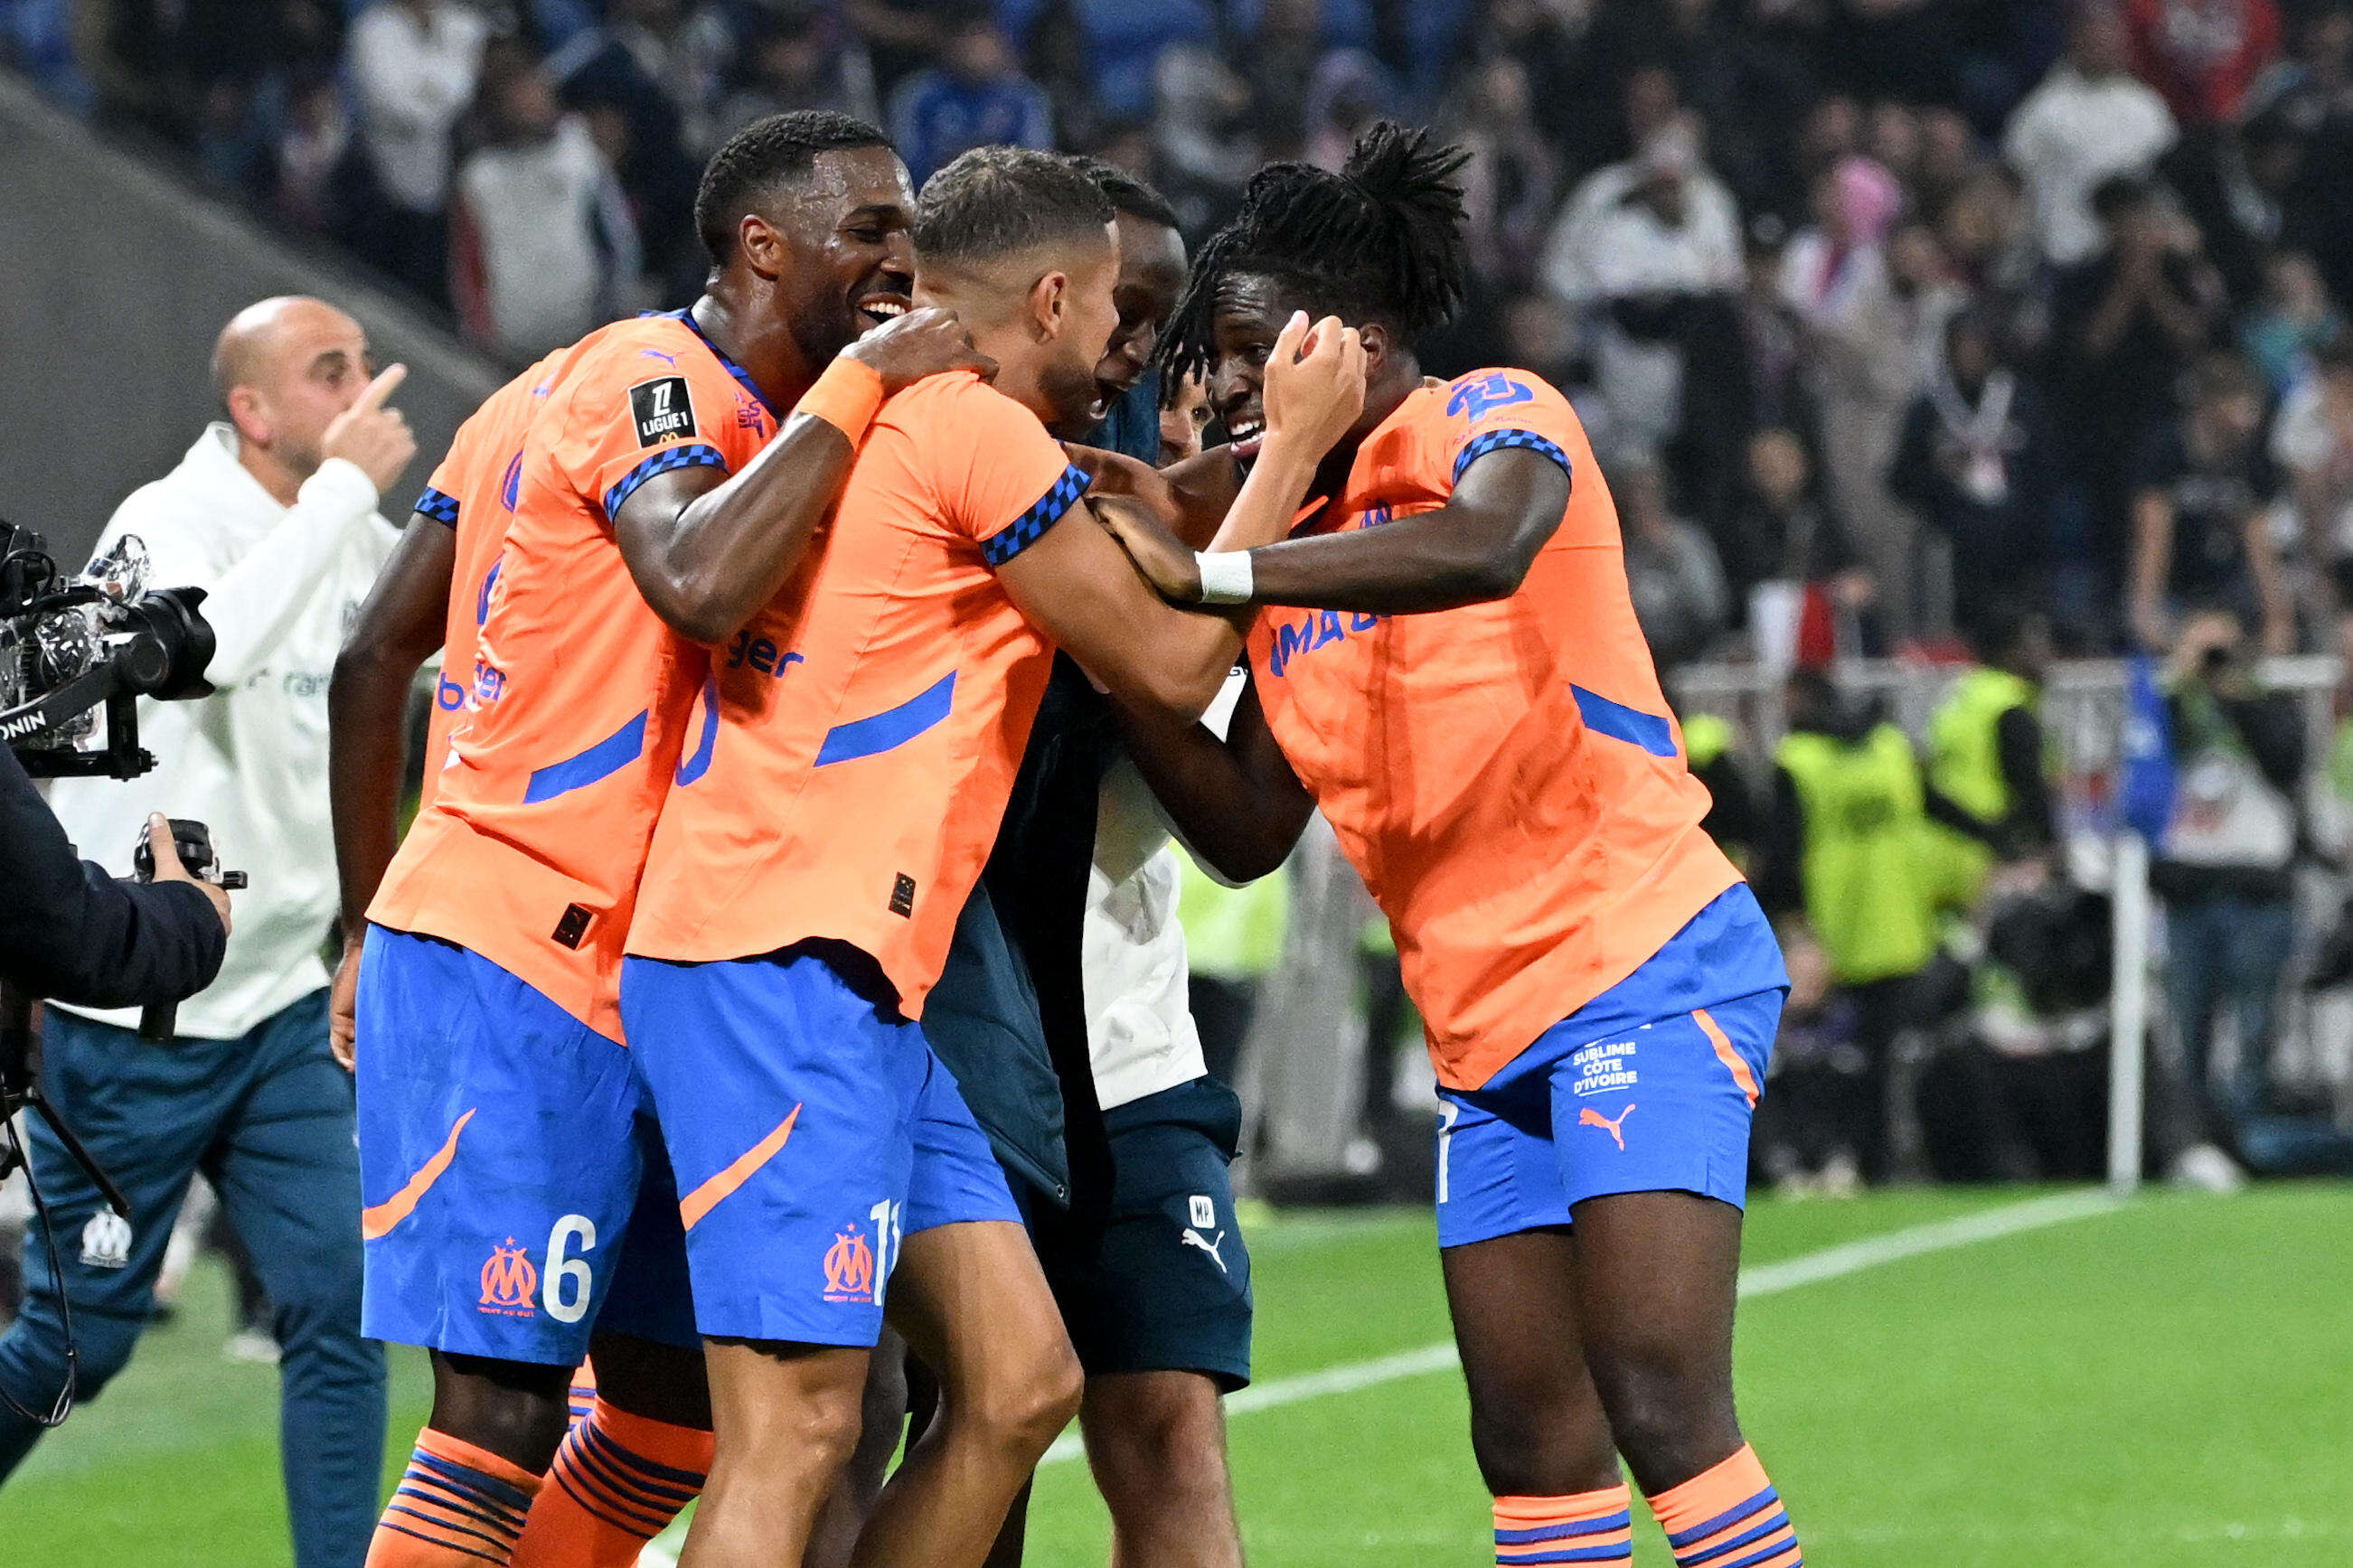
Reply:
x=1651, y=1086
x=807, y=1133
x=516, y=1194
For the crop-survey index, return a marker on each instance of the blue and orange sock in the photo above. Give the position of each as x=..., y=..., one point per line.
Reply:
x=1591, y=1529
x=456, y=1506
x=583, y=1394
x=1728, y=1516
x=619, y=1479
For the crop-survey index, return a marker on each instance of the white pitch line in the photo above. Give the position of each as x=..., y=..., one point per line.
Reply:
x=1766, y=1280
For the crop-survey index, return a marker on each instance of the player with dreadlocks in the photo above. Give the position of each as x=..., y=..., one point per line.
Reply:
x=1454, y=676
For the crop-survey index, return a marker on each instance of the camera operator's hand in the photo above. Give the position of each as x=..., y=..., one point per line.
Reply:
x=169, y=869
x=342, y=1008
x=374, y=437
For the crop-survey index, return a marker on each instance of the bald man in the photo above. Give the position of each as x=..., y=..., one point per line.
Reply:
x=273, y=513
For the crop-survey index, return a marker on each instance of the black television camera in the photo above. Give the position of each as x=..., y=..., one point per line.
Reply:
x=69, y=648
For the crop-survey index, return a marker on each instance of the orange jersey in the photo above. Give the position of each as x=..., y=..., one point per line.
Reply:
x=473, y=493
x=580, y=697
x=1506, y=777
x=871, y=721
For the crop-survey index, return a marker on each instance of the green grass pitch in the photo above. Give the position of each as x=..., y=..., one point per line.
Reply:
x=2167, y=1385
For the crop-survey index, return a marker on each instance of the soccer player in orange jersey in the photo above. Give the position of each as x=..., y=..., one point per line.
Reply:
x=1448, y=668
x=817, y=846
x=643, y=501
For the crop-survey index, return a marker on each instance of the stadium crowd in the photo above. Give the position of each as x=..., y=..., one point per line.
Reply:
x=1996, y=299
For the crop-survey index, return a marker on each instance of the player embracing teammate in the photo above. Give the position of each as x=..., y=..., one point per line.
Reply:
x=1447, y=665
x=726, y=702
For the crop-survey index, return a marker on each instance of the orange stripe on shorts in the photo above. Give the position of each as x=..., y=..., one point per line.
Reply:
x=1725, y=1053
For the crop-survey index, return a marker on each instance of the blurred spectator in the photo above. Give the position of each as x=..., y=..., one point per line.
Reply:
x=643, y=79
x=318, y=138
x=1122, y=42
x=1844, y=865
x=2202, y=54
x=2239, y=185
x=1772, y=360
x=1974, y=463
x=1540, y=334
x=2090, y=121
x=975, y=96
x=1346, y=92
x=1783, y=535
x=1202, y=132
x=1867, y=326
x=665, y=48
x=1988, y=248
x=795, y=57
x=2203, y=488
x=1671, y=570
x=2225, y=870
x=1989, y=793
x=2294, y=318
x=2124, y=324
x=414, y=66
x=1509, y=185
x=1639, y=244
x=543, y=247
x=2313, y=441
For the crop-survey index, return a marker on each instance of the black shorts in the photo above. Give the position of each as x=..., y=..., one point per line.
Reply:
x=1163, y=1286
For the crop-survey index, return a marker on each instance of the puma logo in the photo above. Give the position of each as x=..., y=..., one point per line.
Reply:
x=1588, y=1117
x=1193, y=1238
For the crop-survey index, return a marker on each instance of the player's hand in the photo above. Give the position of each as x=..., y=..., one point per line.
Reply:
x=168, y=868
x=374, y=437
x=1314, y=383
x=929, y=341
x=343, y=1007
x=1117, y=474
x=1165, y=561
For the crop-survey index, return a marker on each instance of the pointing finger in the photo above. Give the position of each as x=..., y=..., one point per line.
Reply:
x=382, y=387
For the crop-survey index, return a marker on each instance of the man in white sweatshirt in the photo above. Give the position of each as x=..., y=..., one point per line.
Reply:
x=273, y=513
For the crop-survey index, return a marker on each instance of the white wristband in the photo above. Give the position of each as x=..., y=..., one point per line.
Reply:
x=1225, y=577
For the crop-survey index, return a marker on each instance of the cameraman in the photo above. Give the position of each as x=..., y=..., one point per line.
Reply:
x=70, y=932
x=273, y=513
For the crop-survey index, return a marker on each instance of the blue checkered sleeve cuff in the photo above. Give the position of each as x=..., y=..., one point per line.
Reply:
x=1502, y=441
x=694, y=456
x=441, y=508
x=1029, y=528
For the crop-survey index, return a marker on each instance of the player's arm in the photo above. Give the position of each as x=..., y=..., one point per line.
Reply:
x=1477, y=547
x=399, y=625
x=1191, y=497
x=1235, y=802
x=707, y=550
x=1078, y=586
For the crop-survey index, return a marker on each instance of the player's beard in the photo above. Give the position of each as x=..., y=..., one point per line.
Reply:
x=1071, y=390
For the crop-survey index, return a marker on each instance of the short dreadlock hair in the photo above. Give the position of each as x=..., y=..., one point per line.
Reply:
x=761, y=156
x=1380, y=240
x=994, y=202
x=1132, y=197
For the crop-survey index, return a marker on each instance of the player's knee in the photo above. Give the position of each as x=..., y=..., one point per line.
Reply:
x=1022, y=1408
x=1664, y=1399
x=1538, y=1448
x=1155, y=1435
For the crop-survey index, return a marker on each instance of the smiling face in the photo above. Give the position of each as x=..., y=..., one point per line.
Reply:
x=835, y=244
x=1151, y=276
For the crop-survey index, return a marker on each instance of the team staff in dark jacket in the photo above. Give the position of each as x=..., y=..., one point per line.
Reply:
x=70, y=932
